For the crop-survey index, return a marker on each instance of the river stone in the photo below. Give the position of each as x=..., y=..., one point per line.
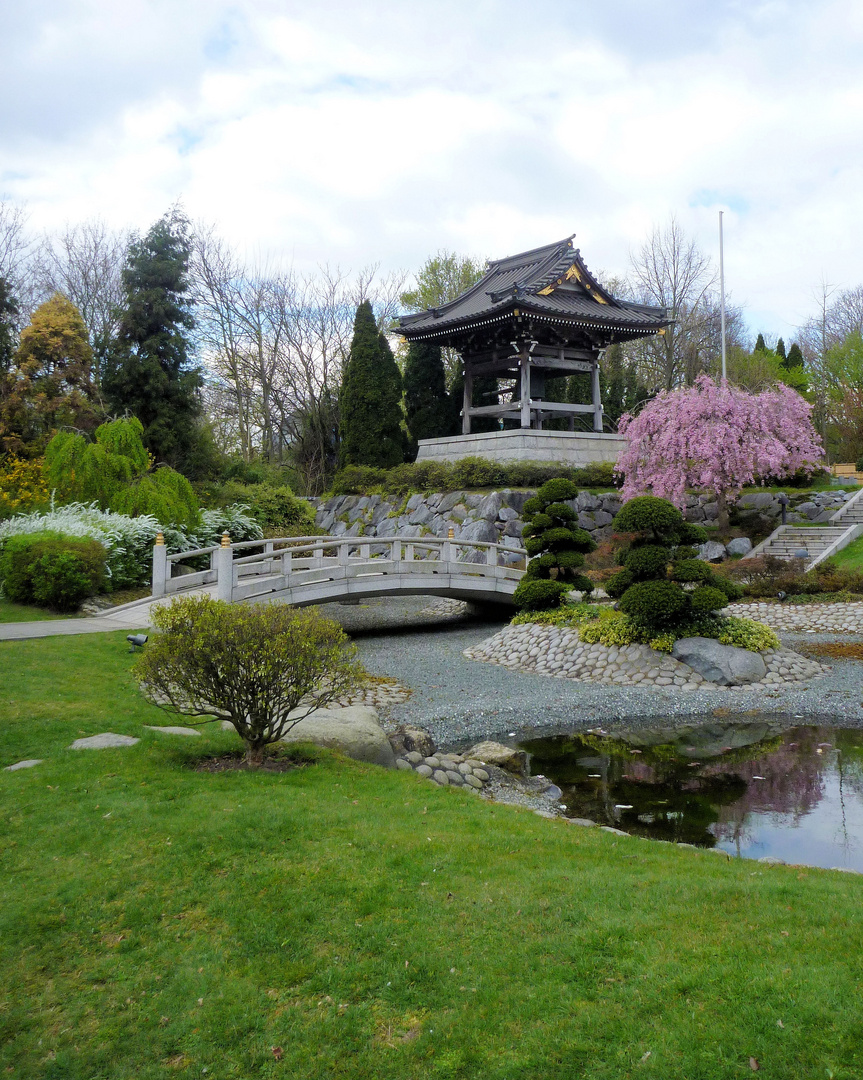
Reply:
x=405, y=766
x=408, y=739
x=740, y=545
x=104, y=741
x=173, y=730
x=355, y=731
x=28, y=764
x=724, y=665
x=505, y=757
x=424, y=770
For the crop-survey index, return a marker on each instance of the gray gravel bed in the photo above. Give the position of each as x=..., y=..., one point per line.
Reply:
x=462, y=701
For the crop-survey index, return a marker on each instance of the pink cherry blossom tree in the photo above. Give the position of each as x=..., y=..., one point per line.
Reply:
x=715, y=438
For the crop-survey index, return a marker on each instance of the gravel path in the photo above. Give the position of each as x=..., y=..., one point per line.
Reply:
x=462, y=701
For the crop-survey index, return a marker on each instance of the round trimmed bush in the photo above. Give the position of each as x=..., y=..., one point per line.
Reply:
x=561, y=511
x=557, y=490
x=687, y=570
x=647, y=562
x=708, y=598
x=539, y=595
x=732, y=590
x=654, y=603
x=617, y=585
x=52, y=570
x=690, y=534
x=647, y=514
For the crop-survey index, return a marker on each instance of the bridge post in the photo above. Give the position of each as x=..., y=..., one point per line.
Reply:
x=396, y=554
x=344, y=554
x=225, y=570
x=160, y=566
x=286, y=563
x=491, y=555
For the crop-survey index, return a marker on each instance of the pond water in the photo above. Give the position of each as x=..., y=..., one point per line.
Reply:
x=751, y=787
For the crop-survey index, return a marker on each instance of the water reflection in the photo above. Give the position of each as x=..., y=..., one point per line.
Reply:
x=751, y=788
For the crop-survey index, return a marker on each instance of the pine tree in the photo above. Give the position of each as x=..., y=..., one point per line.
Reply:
x=780, y=349
x=370, y=398
x=427, y=404
x=794, y=358
x=759, y=344
x=148, y=372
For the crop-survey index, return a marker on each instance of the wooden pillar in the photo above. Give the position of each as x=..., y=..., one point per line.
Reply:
x=468, y=398
x=596, y=396
x=524, y=367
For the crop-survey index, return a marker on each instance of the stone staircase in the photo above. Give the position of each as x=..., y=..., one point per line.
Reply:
x=818, y=541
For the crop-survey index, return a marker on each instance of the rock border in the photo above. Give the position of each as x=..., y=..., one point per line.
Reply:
x=556, y=651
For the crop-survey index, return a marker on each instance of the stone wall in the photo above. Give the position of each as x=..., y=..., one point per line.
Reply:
x=526, y=444
x=496, y=517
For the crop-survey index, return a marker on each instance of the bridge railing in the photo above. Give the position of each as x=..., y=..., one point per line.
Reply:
x=283, y=563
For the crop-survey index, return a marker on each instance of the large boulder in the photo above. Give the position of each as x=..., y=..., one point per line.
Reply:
x=355, y=731
x=505, y=757
x=740, y=545
x=712, y=551
x=724, y=665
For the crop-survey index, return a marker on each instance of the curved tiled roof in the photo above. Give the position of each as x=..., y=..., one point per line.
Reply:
x=571, y=295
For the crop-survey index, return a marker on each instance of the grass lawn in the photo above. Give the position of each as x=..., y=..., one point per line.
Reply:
x=851, y=556
x=25, y=613
x=343, y=921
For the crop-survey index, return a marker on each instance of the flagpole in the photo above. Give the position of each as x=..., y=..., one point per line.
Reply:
x=722, y=296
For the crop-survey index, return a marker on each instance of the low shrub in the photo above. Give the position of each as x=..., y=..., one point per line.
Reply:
x=568, y=614
x=469, y=472
x=533, y=594
x=51, y=570
x=274, y=508
x=616, y=629
x=655, y=604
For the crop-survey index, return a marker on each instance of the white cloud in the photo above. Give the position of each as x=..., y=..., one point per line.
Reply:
x=356, y=134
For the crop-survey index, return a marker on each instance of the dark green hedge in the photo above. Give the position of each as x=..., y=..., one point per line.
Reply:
x=469, y=472
x=52, y=571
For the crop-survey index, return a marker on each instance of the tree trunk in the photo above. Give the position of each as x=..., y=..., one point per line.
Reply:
x=722, y=512
x=254, y=755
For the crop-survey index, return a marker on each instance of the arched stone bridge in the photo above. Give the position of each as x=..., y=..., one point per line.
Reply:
x=323, y=569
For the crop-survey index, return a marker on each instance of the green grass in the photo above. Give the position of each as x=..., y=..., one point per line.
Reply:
x=25, y=613
x=851, y=556
x=158, y=921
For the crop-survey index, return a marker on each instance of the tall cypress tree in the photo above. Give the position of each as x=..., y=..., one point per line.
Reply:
x=8, y=315
x=794, y=358
x=148, y=372
x=427, y=405
x=759, y=344
x=370, y=398
x=780, y=349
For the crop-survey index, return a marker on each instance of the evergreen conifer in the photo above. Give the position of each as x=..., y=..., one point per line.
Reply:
x=427, y=404
x=794, y=358
x=759, y=344
x=370, y=398
x=780, y=349
x=148, y=372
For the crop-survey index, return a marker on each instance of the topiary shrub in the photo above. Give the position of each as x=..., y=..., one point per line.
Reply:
x=557, y=546
x=658, y=568
x=533, y=594
x=655, y=603
x=51, y=570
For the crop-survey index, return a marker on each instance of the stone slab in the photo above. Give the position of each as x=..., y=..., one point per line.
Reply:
x=28, y=764
x=106, y=740
x=173, y=730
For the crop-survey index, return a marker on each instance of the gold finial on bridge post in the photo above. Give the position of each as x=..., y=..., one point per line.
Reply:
x=226, y=540
x=451, y=534
x=160, y=539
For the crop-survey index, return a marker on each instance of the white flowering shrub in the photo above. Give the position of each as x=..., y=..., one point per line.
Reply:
x=129, y=541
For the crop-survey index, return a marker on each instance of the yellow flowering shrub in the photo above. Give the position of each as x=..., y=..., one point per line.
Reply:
x=22, y=486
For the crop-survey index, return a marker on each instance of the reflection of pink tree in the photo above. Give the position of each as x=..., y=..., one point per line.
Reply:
x=793, y=783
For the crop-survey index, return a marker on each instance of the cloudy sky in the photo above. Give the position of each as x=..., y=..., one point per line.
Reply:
x=384, y=130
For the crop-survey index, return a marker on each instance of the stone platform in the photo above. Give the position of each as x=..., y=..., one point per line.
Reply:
x=526, y=444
